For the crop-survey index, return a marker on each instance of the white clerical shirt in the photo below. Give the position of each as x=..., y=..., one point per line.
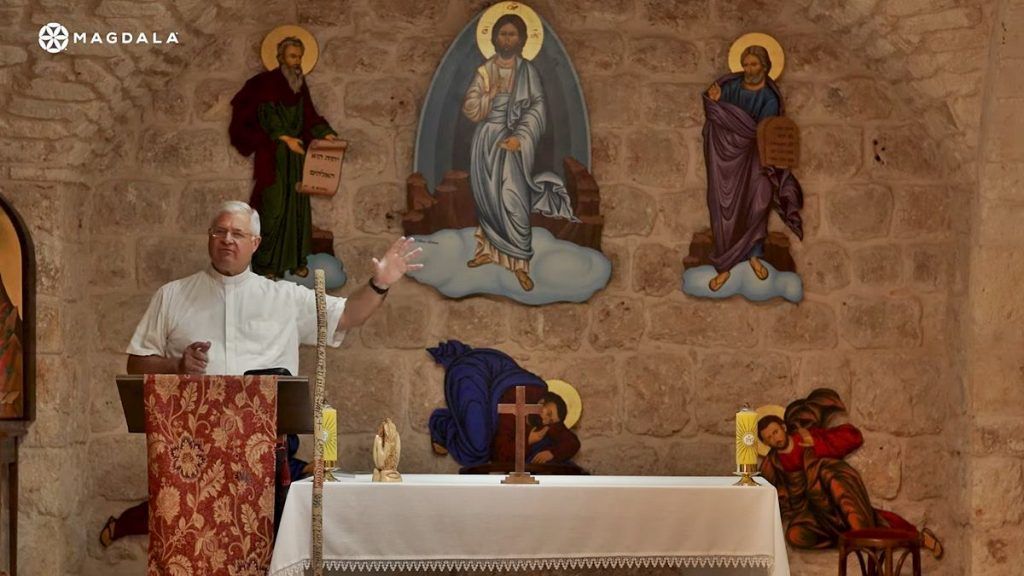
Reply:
x=251, y=322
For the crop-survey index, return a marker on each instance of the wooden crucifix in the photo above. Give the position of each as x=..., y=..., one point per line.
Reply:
x=520, y=409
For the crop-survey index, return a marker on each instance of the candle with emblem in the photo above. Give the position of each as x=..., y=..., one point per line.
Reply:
x=330, y=431
x=746, y=444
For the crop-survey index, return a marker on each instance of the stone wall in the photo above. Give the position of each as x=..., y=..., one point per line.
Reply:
x=993, y=341
x=117, y=154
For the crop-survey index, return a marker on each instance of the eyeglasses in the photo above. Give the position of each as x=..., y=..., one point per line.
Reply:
x=225, y=234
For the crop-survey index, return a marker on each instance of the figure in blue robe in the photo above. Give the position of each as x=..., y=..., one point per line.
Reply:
x=474, y=381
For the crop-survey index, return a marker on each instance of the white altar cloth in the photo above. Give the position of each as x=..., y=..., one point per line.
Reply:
x=473, y=522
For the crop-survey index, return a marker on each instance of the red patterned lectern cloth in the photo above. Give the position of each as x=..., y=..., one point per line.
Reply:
x=211, y=474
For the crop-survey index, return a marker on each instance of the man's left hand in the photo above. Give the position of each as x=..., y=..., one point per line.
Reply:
x=396, y=262
x=330, y=137
x=805, y=437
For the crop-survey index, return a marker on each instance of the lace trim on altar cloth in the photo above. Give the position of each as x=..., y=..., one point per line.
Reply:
x=514, y=564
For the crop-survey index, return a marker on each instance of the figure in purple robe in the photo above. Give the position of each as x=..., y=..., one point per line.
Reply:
x=475, y=380
x=741, y=191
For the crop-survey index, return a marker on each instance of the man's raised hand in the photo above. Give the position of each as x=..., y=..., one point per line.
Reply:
x=396, y=262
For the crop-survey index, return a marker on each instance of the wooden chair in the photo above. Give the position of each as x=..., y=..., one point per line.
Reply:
x=877, y=549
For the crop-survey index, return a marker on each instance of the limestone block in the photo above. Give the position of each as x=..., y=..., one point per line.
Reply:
x=347, y=57
x=358, y=255
x=376, y=208
x=703, y=456
x=830, y=152
x=420, y=56
x=905, y=151
x=900, y=393
x=937, y=19
x=105, y=411
x=422, y=15
x=170, y=105
x=162, y=259
x=200, y=200
x=619, y=253
x=51, y=265
x=658, y=389
x=663, y=55
x=880, y=322
x=656, y=269
x=212, y=100
x=12, y=55
x=402, y=322
x=997, y=382
x=878, y=265
x=628, y=211
x=596, y=379
x=813, y=55
x=49, y=329
x=117, y=315
x=809, y=326
x=860, y=212
x=366, y=387
x=996, y=551
x=595, y=52
x=999, y=224
x=824, y=370
x=119, y=466
x=617, y=322
x=675, y=13
x=368, y=153
x=114, y=268
x=823, y=266
x=618, y=456
x=701, y=323
x=742, y=14
x=656, y=158
x=675, y=105
x=388, y=102
x=425, y=391
x=997, y=319
x=929, y=465
x=584, y=12
x=185, y=151
x=42, y=206
x=606, y=156
x=998, y=435
x=39, y=537
x=727, y=380
x=878, y=462
x=997, y=491
x=48, y=89
x=478, y=322
x=557, y=327
x=614, y=102
x=922, y=210
x=682, y=214
x=333, y=13
x=931, y=266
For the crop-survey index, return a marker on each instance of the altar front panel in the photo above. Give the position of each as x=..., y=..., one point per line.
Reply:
x=450, y=522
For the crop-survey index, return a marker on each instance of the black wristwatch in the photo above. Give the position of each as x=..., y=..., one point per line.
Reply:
x=378, y=289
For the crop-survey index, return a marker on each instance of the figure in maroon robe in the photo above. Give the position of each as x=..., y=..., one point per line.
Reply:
x=820, y=495
x=274, y=118
x=741, y=191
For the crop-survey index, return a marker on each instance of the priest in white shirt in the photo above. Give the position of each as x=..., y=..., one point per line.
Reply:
x=228, y=320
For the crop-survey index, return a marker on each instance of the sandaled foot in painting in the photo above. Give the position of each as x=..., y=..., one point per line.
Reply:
x=759, y=270
x=718, y=281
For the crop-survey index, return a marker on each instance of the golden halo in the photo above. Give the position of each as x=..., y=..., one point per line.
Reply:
x=767, y=410
x=758, y=39
x=268, y=51
x=534, y=28
x=572, y=400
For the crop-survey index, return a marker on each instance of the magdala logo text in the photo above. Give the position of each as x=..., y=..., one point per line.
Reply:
x=53, y=37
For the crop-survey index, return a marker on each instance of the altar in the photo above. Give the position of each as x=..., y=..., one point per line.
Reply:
x=471, y=522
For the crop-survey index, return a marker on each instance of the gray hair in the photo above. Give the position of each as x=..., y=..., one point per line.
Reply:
x=289, y=41
x=759, y=52
x=238, y=207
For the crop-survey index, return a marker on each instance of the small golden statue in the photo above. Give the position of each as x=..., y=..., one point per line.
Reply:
x=387, y=448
